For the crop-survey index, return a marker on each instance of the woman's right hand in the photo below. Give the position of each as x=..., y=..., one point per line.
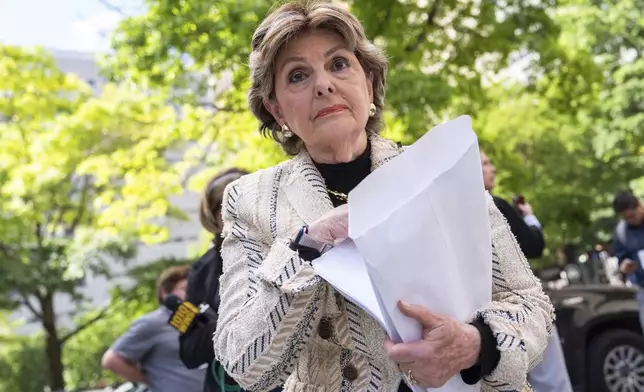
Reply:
x=332, y=226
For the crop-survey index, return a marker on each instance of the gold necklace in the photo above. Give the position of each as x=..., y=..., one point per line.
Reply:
x=339, y=195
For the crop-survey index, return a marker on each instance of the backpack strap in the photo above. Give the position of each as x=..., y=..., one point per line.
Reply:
x=620, y=231
x=219, y=374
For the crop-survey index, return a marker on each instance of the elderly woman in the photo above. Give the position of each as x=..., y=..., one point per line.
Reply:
x=318, y=87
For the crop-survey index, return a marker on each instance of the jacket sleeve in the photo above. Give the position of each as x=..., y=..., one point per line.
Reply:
x=195, y=347
x=269, y=297
x=619, y=250
x=530, y=238
x=520, y=315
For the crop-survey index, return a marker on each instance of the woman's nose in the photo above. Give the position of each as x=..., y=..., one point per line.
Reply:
x=324, y=86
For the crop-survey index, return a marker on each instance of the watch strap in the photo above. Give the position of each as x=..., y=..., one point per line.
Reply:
x=308, y=247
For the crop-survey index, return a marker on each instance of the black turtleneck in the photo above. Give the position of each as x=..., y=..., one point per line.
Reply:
x=343, y=177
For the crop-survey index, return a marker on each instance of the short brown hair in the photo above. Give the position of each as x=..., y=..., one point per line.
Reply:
x=281, y=26
x=212, y=196
x=169, y=279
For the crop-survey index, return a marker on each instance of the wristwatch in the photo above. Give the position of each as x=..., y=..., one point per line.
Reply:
x=308, y=247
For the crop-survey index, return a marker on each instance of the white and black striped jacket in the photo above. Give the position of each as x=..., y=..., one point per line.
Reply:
x=279, y=323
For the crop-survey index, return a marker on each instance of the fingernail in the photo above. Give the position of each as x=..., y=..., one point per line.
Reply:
x=403, y=303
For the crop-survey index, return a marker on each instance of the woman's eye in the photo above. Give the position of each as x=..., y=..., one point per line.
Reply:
x=340, y=63
x=296, y=77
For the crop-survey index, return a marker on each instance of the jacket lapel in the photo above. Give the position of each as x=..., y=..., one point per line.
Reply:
x=382, y=150
x=305, y=188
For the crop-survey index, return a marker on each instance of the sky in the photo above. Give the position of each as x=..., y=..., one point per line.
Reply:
x=78, y=25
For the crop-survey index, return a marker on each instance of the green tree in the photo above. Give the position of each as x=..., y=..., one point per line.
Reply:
x=617, y=35
x=199, y=49
x=22, y=359
x=575, y=139
x=82, y=179
x=548, y=157
x=83, y=352
x=21, y=365
x=567, y=134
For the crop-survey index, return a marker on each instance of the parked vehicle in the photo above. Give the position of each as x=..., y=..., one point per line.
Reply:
x=124, y=387
x=130, y=387
x=600, y=334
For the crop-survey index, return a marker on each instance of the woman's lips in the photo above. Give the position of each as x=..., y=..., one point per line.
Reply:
x=330, y=110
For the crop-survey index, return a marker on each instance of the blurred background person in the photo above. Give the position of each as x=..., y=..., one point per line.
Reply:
x=148, y=352
x=203, y=286
x=551, y=374
x=524, y=224
x=628, y=242
x=596, y=260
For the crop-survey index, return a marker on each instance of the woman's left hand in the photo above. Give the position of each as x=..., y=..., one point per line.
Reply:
x=446, y=348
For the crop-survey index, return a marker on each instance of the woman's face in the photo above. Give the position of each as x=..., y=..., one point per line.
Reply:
x=489, y=172
x=323, y=95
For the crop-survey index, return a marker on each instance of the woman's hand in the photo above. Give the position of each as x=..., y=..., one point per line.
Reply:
x=446, y=348
x=332, y=226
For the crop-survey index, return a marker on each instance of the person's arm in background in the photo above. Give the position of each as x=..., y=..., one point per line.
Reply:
x=528, y=235
x=126, y=353
x=195, y=347
x=626, y=265
x=534, y=225
x=122, y=367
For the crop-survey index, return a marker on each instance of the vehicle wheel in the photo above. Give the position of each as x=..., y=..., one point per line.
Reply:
x=616, y=362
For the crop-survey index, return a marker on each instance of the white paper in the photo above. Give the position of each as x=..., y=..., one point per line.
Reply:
x=420, y=222
x=344, y=266
x=421, y=230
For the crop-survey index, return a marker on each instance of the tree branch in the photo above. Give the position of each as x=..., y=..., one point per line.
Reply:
x=25, y=301
x=58, y=221
x=58, y=215
x=39, y=235
x=82, y=207
x=466, y=30
x=84, y=325
x=431, y=15
x=191, y=170
x=112, y=7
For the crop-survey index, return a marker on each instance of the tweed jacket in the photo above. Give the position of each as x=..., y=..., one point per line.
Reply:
x=280, y=324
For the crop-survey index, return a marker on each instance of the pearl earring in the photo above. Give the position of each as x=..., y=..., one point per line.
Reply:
x=372, y=110
x=286, y=131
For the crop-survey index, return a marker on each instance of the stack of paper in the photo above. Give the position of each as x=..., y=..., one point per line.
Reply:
x=419, y=232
